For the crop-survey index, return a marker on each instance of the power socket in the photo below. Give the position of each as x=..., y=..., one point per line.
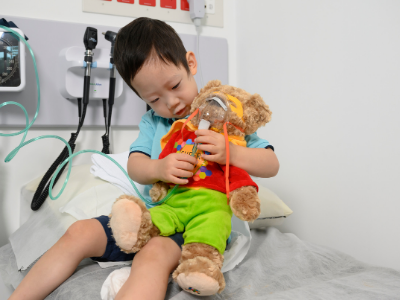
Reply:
x=210, y=7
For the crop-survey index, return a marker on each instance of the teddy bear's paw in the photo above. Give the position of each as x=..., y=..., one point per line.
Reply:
x=125, y=223
x=199, y=276
x=198, y=284
x=158, y=191
x=245, y=203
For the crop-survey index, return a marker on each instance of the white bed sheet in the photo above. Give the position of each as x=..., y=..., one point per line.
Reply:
x=279, y=266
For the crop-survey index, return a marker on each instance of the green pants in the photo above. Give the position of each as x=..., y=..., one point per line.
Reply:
x=202, y=214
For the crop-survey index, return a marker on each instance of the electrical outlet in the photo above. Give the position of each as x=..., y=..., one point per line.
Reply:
x=210, y=6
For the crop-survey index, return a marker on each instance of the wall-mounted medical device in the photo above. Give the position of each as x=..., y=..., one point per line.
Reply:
x=110, y=36
x=12, y=61
x=70, y=79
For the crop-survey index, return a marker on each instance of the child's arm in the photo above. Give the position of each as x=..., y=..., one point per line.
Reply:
x=258, y=162
x=172, y=168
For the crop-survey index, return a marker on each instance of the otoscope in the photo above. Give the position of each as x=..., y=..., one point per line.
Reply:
x=90, y=42
x=110, y=36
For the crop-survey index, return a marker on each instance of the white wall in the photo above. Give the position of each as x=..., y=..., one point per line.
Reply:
x=36, y=158
x=330, y=71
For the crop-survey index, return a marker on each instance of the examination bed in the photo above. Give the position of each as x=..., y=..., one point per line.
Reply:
x=277, y=265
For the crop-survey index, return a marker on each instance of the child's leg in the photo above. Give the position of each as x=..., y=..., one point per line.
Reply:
x=150, y=270
x=83, y=239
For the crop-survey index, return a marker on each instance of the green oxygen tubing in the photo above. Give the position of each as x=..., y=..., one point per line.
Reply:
x=11, y=155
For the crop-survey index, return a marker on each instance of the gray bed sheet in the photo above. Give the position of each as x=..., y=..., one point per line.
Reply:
x=278, y=266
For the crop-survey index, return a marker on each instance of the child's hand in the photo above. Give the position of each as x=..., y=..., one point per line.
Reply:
x=176, y=166
x=212, y=142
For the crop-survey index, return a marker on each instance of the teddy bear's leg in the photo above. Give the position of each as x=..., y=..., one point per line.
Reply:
x=131, y=224
x=245, y=203
x=199, y=271
x=158, y=191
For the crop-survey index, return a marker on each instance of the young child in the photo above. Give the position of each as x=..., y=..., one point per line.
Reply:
x=152, y=60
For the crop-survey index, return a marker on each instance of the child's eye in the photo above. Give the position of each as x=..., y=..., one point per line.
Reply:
x=155, y=100
x=176, y=85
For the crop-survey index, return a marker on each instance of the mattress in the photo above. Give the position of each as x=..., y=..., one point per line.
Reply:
x=279, y=266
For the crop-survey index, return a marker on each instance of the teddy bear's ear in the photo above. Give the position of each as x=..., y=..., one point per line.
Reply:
x=211, y=84
x=256, y=113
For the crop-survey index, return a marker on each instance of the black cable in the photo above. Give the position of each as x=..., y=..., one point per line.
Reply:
x=109, y=118
x=80, y=107
x=105, y=137
x=40, y=196
x=106, y=144
x=105, y=113
x=81, y=119
x=43, y=189
x=111, y=37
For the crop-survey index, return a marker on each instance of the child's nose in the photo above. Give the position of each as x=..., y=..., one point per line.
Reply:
x=172, y=102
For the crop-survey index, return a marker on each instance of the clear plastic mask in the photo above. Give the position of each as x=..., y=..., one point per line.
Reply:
x=215, y=111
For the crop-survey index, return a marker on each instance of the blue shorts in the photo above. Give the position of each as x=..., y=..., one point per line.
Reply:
x=114, y=253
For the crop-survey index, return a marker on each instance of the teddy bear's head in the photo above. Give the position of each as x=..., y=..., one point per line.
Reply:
x=248, y=112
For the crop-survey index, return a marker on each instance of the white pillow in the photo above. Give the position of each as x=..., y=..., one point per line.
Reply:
x=98, y=196
x=273, y=209
x=48, y=224
x=93, y=202
x=80, y=180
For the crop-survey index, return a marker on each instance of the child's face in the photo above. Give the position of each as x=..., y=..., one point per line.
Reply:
x=168, y=90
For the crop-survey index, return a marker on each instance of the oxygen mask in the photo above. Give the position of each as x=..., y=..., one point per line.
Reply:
x=214, y=112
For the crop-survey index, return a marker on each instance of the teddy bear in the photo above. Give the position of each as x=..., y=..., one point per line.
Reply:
x=203, y=208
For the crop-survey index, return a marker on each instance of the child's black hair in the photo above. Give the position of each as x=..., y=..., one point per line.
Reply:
x=143, y=37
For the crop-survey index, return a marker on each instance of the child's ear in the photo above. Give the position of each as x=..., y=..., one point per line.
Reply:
x=192, y=62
